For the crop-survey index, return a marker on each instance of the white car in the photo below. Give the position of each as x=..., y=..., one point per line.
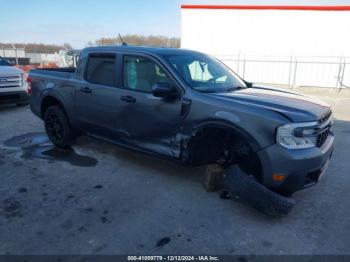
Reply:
x=13, y=85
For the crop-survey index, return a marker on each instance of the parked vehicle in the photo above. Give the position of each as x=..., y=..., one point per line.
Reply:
x=186, y=106
x=68, y=58
x=13, y=85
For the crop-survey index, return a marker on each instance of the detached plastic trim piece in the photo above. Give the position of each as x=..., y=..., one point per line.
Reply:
x=255, y=194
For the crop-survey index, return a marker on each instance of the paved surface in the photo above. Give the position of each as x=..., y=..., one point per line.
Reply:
x=106, y=200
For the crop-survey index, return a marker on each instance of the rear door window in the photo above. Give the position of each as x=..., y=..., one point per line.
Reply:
x=101, y=69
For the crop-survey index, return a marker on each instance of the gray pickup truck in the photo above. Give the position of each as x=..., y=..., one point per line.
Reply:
x=186, y=106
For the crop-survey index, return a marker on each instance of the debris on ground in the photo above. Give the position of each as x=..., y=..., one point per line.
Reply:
x=213, y=178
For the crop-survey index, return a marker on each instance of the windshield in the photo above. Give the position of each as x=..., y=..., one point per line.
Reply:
x=204, y=73
x=3, y=62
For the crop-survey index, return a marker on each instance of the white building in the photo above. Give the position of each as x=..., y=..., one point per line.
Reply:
x=294, y=45
x=12, y=52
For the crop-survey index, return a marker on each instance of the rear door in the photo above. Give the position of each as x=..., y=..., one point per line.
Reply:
x=98, y=96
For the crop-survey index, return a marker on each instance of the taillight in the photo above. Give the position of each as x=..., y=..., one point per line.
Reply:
x=29, y=84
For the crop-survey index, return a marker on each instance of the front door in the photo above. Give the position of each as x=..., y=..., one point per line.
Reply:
x=147, y=118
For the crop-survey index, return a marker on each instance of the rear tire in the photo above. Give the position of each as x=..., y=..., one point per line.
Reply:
x=21, y=104
x=58, y=128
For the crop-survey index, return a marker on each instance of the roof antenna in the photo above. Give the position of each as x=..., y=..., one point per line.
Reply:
x=122, y=40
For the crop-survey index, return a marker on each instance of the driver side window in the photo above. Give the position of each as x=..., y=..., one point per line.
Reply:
x=141, y=74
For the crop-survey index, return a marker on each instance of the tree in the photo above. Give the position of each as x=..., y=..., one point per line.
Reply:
x=67, y=46
x=139, y=40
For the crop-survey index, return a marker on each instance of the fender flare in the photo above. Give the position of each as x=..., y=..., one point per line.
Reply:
x=229, y=126
x=53, y=94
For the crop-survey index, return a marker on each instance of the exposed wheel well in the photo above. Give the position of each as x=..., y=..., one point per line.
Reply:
x=47, y=102
x=224, y=146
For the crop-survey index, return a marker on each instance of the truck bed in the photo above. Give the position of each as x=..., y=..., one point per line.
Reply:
x=63, y=72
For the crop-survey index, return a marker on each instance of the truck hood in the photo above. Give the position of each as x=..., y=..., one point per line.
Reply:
x=9, y=70
x=294, y=106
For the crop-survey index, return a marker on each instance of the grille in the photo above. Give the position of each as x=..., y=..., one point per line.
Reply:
x=10, y=81
x=9, y=97
x=312, y=178
x=321, y=138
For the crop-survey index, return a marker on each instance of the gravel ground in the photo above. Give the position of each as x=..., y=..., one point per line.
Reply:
x=101, y=199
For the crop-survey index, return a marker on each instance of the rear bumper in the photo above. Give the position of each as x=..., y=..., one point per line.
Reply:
x=14, y=97
x=301, y=168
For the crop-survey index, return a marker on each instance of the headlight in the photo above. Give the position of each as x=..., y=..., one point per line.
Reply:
x=297, y=135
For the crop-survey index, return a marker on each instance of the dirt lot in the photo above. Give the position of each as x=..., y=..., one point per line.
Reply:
x=101, y=199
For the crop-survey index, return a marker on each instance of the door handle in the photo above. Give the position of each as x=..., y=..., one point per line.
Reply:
x=128, y=99
x=86, y=90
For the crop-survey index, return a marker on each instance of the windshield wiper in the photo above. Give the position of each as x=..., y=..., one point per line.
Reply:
x=230, y=89
x=219, y=90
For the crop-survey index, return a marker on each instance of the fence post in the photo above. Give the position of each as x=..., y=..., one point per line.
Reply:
x=244, y=69
x=290, y=71
x=339, y=72
x=342, y=75
x=295, y=72
x=238, y=62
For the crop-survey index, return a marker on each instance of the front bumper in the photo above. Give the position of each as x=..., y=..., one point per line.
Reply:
x=302, y=168
x=14, y=97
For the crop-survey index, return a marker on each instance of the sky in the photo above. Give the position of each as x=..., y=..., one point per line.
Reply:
x=79, y=21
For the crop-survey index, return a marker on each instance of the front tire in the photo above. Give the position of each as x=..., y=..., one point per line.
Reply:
x=58, y=128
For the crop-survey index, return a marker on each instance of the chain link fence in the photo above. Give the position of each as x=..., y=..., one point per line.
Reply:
x=292, y=71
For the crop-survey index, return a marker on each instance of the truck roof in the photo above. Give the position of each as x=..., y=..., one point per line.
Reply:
x=141, y=49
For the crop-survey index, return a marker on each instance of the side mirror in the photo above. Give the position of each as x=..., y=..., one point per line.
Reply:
x=164, y=90
x=248, y=84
